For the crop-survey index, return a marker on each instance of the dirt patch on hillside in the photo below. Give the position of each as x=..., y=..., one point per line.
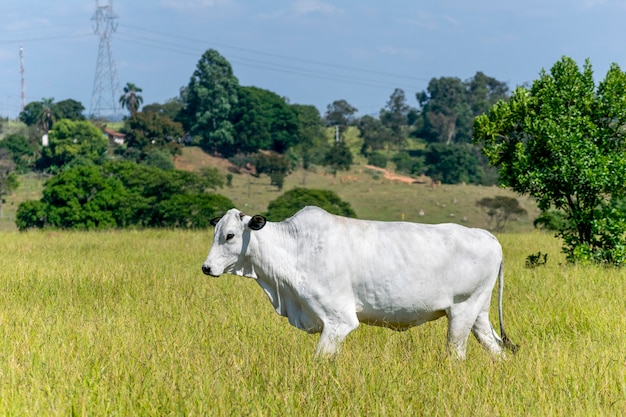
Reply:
x=400, y=178
x=194, y=159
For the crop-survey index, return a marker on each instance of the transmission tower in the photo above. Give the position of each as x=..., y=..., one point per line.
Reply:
x=106, y=86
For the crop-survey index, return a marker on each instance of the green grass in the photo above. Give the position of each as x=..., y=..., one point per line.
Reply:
x=124, y=323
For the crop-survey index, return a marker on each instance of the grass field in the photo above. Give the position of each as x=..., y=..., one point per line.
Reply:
x=124, y=323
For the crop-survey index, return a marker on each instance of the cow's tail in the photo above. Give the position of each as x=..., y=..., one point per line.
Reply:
x=506, y=342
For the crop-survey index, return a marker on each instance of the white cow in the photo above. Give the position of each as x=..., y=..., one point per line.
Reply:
x=328, y=273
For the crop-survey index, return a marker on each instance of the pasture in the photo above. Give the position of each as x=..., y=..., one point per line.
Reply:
x=124, y=323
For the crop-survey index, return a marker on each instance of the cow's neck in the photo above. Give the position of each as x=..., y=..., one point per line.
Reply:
x=272, y=257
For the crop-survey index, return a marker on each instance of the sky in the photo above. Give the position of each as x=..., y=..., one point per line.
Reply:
x=308, y=51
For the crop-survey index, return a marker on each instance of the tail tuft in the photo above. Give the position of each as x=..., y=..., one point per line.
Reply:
x=506, y=342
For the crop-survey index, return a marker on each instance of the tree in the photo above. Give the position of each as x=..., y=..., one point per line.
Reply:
x=171, y=108
x=452, y=164
x=31, y=115
x=69, y=109
x=262, y=120
x=48, y=116
x=122, y=194
x=131, y=100
x=395, y=117
x=340, y=114
x=8, y=179
x=500, y=209
x=273, y=164
x=563, y=142
x=311, y=144
x=290, y=202
x=374, y=133
x=338, y=158
x=209, y=101
x=21, y=151
x=73, y=140
x=443, y=105
x=148, y=130
x=449, y=106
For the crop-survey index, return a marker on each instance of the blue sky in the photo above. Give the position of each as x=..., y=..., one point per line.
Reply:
x=310, y=51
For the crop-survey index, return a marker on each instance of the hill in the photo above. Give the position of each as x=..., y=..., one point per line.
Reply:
x=373, y=194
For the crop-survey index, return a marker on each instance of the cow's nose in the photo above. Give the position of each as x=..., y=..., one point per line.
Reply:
x=206, y=270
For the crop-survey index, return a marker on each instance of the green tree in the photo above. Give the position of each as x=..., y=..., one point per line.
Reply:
x=262, y=120
x=374, y=133
x=8, y=179
x=72, y=140
x=500, y=209
x=444, y=106
x=563, y=142
x=274, y=165
x=311, y=144
x=338, y=158
x=48, y=115
x=290, y=202
x=69, y=109
x=449, y=106
x=159, y=158
x=31, y=115
x=171, y=108
x=22, y=152
x=209, y=101
x=149, y=130
x=122, y=195
x=452, y=164
x=131, y=100
x=340, y=114
x=395, y=117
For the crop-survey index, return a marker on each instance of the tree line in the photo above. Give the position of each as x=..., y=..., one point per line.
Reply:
x=559, y=140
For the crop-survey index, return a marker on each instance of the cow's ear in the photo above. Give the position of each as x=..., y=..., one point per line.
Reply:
x=257, y=222
x=215, y=221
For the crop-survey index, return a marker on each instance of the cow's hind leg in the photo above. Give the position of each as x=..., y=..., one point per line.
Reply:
x=486, y=335
x=460, y=322
x=333, y=333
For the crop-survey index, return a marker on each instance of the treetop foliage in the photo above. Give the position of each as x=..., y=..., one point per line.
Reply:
x=562, y=142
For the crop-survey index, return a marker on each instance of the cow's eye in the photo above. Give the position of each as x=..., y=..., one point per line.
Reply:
x=230, y=236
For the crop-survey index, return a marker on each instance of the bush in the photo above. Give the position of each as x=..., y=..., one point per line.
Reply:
x=294, y=200
x=122, y=195
x=407, y=164
x=377, y=159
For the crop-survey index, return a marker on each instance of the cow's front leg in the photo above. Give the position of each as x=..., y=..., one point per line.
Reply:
x=333, y=333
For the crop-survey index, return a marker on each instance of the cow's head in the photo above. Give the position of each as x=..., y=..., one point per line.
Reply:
x=230, y=244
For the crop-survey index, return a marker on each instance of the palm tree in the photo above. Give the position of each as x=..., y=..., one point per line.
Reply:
x=47, y=114
x=130, y=99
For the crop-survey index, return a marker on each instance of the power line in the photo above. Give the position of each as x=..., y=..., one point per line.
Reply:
x=280, y=56
x=272, y=65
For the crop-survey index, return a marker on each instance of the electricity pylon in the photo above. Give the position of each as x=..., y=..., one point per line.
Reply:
x=106, y=85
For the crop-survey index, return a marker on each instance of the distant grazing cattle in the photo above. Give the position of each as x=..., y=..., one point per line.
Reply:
x=327, y=273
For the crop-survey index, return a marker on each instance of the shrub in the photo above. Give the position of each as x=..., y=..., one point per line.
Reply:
x=292, y=201
x=377, y=159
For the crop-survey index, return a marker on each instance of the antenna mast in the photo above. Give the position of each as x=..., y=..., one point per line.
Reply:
x=106, y=85
x=22, y=85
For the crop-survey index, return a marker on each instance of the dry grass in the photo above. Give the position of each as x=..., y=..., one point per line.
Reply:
x=124, y=323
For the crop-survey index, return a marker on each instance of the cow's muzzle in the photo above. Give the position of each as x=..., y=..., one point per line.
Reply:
x=207, y=271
